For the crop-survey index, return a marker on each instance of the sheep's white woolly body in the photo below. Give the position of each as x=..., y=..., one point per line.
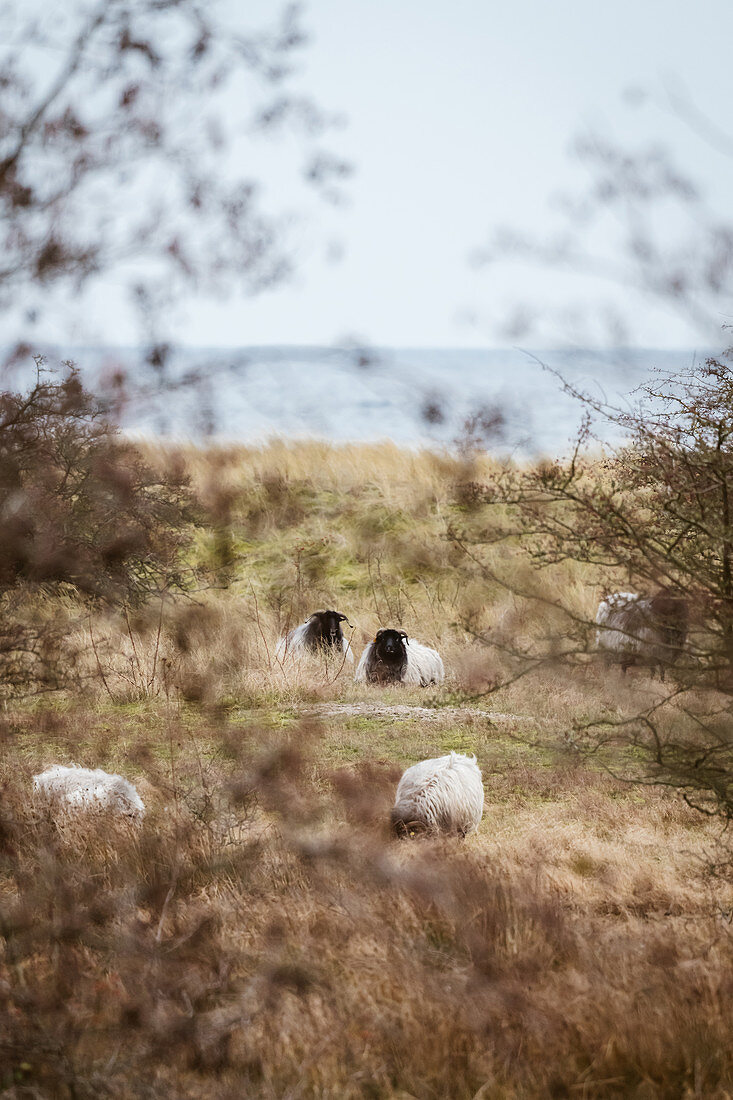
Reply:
x=424, y=665
x=613, y=616
x=86, y=789
x=444, y=795
x=293, y=645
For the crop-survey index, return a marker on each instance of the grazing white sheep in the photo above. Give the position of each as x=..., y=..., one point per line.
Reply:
x=640, y=630
x=394, y=658
x=321, y=633
x=444, y=795
x=77, y=788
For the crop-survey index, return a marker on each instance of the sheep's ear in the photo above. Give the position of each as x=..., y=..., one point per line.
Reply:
x=403, y=635
x=343, y=619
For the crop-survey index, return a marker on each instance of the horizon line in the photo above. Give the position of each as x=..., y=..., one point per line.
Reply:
x=365, y=347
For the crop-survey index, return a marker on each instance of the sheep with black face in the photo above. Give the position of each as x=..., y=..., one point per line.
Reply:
x=393, y=658
x=321, y=633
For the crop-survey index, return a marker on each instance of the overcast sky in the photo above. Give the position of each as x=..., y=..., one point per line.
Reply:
x=458, y=119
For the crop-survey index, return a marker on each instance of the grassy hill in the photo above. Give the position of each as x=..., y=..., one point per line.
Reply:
x=261, y=934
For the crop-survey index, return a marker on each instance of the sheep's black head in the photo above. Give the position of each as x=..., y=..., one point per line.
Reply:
x=670, y=614
x=389, y=646
x=325, y=628
x=670, y=606
x=389, y=654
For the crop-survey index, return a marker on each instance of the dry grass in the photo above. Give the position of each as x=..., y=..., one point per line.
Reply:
x=261, y=934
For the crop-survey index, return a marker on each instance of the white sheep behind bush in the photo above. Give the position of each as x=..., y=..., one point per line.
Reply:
x=638, y=629
x=442, y=795
x=82, y=789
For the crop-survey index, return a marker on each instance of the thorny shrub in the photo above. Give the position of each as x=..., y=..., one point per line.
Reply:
x=83, y=518
x=652, y=514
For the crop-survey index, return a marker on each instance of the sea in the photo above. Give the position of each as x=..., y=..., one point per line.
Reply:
x=510, y=401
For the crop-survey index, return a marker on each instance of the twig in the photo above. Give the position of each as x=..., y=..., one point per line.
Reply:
x=157, y=645
x=134, y=648
x=259, y=627
x=168, y=896
x=99, y=664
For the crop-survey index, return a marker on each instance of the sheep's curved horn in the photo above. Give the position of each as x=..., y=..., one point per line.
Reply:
x=344, y=619
x=406, y=829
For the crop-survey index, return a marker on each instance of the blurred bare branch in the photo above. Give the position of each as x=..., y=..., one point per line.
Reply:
x=120, y=154
x=643, y=226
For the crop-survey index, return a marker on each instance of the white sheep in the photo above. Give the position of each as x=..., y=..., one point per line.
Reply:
x=637, y=629
x=321, y=633
x=611, y=616
x=75, y=788
x=445, y=795
x=394, y=658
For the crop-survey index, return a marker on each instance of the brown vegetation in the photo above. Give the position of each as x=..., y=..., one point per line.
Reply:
x=261, y=934
x=84, y=523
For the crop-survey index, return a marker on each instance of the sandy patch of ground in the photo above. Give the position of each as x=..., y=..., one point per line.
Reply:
x=404, y=712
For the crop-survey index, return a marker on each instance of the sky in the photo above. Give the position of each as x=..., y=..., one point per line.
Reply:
x=458, y=119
